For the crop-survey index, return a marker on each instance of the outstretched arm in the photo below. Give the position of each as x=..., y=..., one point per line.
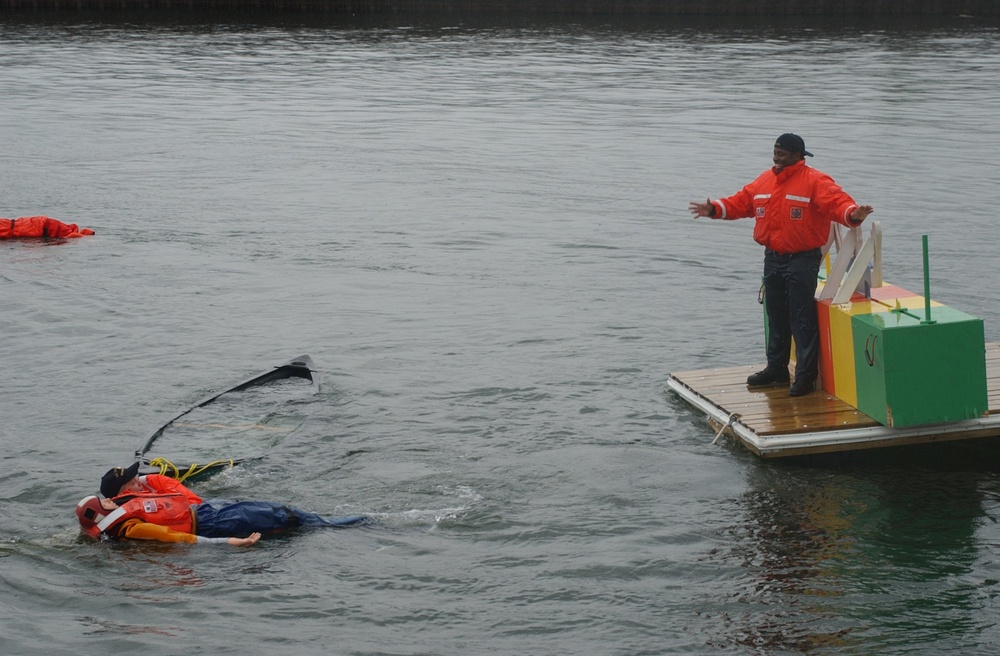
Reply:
x=135, y=529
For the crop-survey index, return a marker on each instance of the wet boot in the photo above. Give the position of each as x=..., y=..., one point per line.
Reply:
x=769, y=377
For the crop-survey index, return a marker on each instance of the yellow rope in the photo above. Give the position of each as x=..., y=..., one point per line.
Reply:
x=168, y=468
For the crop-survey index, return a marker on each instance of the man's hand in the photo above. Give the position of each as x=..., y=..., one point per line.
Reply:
x=702, y=209
x=248, y=541
x=860, y=213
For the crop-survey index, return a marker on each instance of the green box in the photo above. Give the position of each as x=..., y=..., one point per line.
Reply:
x=909, y=372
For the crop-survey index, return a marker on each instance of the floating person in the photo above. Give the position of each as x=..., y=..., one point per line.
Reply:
x=40, y=227
x=126, y=480
x=171, y=518
x=793, y=205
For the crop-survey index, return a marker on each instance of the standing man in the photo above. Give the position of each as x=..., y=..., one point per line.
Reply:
x=793, y=205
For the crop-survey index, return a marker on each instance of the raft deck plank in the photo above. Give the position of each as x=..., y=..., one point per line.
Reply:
x=771, y=423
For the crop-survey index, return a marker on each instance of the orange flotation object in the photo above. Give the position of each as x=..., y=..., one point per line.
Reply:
x=40, y=227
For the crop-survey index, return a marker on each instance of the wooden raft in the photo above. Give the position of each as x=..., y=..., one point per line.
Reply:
x=771, y=423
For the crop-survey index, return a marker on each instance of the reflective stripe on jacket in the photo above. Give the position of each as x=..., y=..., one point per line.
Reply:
x=793, y=209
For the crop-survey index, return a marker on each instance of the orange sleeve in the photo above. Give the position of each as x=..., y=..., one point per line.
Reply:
x=836, y=202
x=167, y=485
x=136, y=529
x=741, y=204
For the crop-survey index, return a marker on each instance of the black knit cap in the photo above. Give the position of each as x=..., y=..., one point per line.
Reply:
x=111, y=483
x=793, y=143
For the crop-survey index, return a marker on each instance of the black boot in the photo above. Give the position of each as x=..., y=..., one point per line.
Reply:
x=802, y=386
x=772, y=377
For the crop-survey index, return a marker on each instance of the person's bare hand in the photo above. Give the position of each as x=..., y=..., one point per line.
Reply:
x=861, y=213
x=248, y=541
x=701, y=209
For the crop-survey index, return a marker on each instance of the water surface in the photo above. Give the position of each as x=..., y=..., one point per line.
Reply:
x=479, y=233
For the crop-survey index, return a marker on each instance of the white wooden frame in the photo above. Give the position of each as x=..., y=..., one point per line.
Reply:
x=853, y=255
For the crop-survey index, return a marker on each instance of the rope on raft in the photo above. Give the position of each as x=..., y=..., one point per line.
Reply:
x=732, y=418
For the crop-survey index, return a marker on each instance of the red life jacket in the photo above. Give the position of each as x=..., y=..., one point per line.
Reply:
x=40, y=227
x=170, y=510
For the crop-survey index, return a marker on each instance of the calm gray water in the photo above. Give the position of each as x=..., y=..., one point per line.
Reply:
x=480, y=234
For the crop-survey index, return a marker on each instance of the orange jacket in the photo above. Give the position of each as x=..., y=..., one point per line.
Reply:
x=793, y=208
x=40, y=226
x=158, y=484
x=170, y=511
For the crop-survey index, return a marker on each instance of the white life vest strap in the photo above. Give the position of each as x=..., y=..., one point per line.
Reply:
x=109, y=521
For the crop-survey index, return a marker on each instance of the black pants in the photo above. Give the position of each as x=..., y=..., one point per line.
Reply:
x=790, y=299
